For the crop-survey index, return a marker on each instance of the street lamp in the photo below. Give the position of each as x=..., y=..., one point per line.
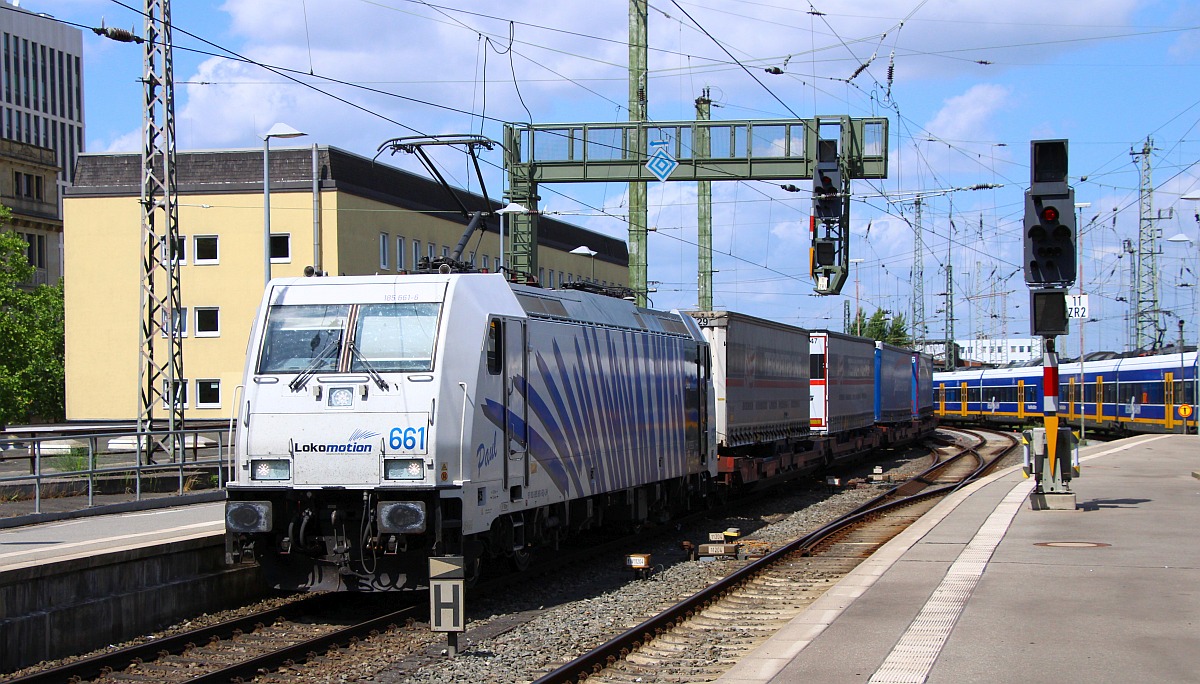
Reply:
x=279, y=130
x=591, y=255
x=512, y=208
x=1182, y=240
x=857, y=317
x=1079, y=207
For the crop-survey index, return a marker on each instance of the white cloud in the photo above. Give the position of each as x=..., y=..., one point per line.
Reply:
x=968, y=116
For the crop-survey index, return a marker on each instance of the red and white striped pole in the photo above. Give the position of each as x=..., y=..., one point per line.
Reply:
x=1050, y=401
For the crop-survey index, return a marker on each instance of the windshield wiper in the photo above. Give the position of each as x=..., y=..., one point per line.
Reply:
x=375, y=375
x=311, y=369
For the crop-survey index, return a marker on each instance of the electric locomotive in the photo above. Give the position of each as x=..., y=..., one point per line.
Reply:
x=387, y=419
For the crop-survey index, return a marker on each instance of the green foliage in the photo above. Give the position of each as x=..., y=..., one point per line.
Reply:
x=879, y=327
x=75, y=460
x=31, y=338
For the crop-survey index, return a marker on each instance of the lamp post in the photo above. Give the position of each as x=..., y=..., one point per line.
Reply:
x=512, y=208
x=279, y=130
x=1079, y=207
x=857, y=317
x=591, y=255
x=1182, y=240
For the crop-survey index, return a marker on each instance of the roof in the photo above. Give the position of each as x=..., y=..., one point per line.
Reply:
x=240, y=171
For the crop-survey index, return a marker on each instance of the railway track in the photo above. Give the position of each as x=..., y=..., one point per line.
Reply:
x=241, y=648
x=274, y=645
x=701, y=637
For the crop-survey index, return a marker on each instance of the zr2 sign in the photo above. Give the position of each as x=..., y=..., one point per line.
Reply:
x=1077, y=306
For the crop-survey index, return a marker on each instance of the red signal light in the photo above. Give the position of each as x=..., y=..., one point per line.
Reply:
x=1050, y=214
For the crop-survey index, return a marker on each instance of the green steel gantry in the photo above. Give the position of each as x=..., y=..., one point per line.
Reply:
x=616, y=152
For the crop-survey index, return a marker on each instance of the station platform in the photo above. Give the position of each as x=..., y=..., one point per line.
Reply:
x=985, y=589
x=109, y=530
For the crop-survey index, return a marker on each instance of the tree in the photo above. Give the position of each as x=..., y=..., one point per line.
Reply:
x=32, y=385
x=878, y=327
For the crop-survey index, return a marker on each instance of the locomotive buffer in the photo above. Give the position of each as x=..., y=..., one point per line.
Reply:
x=1049, y=248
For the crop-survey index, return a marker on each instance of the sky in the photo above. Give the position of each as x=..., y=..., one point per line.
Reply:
x=965, y=86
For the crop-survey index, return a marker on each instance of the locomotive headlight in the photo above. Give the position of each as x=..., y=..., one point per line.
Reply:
x=248, y=516
x=270, y=469
x=403, y=469
x=401, y=517
x=341, y=397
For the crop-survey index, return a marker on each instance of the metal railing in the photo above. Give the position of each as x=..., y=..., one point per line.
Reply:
x=122, y=463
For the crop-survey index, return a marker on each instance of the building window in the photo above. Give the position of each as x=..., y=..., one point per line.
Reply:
x=181, y=319
x=432, y=252
x=496, y=264
x=384, y=245
x=416, y=254
x=36, y=250
x=206, y=249
x=208, y=321
x=445, y=252
x=281, y=248
x=180, y=389
x=486, y=260
x=180, y=251
x=208, y=393
x=400, y=255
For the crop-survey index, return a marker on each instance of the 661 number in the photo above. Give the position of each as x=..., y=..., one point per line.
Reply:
x=408, y=439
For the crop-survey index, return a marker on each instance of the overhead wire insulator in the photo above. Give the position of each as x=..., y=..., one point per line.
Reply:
x=118, y=34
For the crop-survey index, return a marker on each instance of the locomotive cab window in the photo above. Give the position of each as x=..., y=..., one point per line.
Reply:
x=395, y=337
x=305, y=337
x=388, y=337
x=495, y=346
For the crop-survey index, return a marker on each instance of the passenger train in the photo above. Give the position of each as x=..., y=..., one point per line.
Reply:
x=388, y=419
x=1135, y=394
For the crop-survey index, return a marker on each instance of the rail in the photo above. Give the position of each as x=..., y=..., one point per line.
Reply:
x=622, y=645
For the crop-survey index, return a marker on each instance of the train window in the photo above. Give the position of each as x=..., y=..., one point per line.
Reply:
x=1152, y=392
x=495, y=346
x=1110, y=393
x=1030, y=394
x=951, y=392
x=395, y=337
x=303, y=338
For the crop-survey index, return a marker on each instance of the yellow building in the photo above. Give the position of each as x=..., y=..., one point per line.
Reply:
x=358, y=217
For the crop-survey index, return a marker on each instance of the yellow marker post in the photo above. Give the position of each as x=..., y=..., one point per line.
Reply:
x=1051, y=443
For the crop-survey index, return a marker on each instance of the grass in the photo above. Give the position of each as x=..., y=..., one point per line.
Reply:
x=75, y=460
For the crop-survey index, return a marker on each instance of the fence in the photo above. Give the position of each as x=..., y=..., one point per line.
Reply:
x=129, y=463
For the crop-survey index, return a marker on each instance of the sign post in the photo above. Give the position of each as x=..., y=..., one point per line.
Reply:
x=446, y=594
x=1049, y=248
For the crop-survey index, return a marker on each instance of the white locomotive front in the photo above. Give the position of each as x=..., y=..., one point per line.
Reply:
x=390, y=418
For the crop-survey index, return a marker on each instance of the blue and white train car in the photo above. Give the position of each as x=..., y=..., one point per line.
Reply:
x=390, y=419
x=1139, y=394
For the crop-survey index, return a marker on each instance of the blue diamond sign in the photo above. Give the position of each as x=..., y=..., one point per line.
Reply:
x=661, y=162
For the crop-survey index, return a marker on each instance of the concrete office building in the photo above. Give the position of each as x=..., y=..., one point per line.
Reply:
x=41, y=127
